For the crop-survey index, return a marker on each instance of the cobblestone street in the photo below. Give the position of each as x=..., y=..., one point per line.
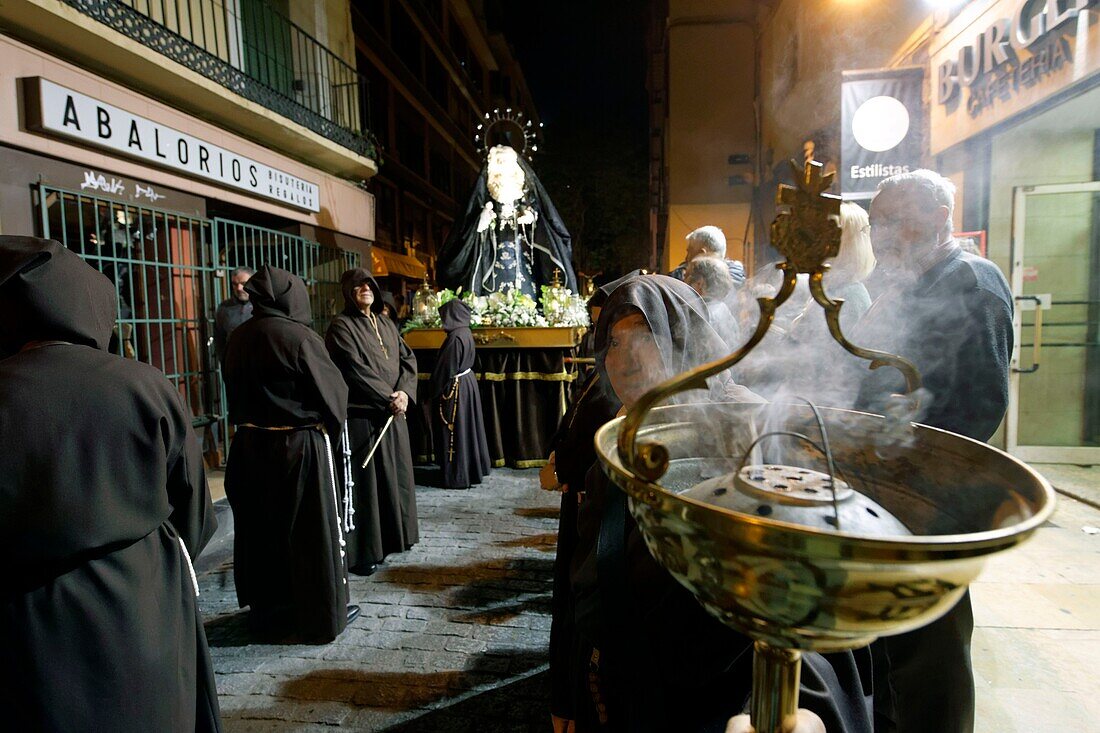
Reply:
x=453, y=634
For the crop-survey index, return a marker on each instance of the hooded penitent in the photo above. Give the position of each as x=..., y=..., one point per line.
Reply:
x=391, y=302
x=101, y=477
x=375, y=363
x=455, y=314
x=282, y=386
x=49, y=293
x=675, y=313
x=458, y=426
x=276, y=292
x=350, y=280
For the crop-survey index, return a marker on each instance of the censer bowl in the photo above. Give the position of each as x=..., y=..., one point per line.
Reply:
x=917, y=512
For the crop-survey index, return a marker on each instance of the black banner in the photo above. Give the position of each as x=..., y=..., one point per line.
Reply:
x=881, y=118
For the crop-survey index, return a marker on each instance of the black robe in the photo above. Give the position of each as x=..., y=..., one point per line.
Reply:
x=698, y=674
x=955, y=324
x=574, y=451
x=281, y=484
x=467, y=255
x=101, y=478
x=385, y=491
x=456, y=400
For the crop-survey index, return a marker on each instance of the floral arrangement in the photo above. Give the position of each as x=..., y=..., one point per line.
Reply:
x=562, y=307
x=510, y=308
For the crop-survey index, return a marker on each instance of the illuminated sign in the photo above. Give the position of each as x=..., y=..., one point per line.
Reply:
x=58, y=110
x=880, y=136
x=1010, y=53
x=997, y=60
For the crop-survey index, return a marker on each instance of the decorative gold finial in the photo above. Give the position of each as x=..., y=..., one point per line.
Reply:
x=807, y=233
x=555, y=280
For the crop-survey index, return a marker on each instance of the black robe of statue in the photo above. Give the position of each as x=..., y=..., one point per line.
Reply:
x=101, y=478
x=467, y=255
x=456, y=400
x=385, y=491
x=663, y=662
x=955, y=324
x=281, y=484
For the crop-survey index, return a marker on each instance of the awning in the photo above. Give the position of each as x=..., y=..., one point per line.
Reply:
x=383, y=262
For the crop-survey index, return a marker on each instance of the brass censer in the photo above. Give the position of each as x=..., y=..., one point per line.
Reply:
x=874, y=526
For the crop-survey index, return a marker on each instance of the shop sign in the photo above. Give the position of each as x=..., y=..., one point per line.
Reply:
x=880, y=117
x=55, y=109
x=1009, y=57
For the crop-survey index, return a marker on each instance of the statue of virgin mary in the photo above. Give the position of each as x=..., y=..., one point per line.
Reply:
x=510, y=236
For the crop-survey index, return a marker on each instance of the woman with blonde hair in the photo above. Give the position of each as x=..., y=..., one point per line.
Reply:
x=852, y=265
x=831, y=377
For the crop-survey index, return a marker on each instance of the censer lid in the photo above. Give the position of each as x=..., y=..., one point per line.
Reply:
x=800, y=496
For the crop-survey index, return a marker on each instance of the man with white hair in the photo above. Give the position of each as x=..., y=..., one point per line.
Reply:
x=950, y=313
x=709, y=241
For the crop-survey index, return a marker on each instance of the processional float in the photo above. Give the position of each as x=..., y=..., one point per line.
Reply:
x=863, y=526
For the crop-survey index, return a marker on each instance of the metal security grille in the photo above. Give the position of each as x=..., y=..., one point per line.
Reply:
x=244, y=245
x=171, y=271
x=161, y=264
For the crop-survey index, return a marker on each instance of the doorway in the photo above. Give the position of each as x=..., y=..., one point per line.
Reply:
x=1054, y=390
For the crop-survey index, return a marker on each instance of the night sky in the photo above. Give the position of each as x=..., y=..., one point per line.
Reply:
x=585, y=64
x=581, y=59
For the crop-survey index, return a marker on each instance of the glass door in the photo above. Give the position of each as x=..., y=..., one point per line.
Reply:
x=1054, y=398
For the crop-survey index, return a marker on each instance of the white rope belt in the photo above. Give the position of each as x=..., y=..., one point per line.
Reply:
x=349, y=482
x=335, y=499
x=190, y=567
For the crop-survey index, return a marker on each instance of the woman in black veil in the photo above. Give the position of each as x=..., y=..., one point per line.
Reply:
x=645, y=655
x=510, y=234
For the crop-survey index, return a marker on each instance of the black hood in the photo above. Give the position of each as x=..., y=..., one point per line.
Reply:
x=599, y=298
x=676, y=314
x=352, y=279
x=48, y=293
x=276, y=292
x=454, y=314
x=388, y=299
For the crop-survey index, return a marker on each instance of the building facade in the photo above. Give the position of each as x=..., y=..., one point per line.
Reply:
x=436, y=68
x=703, y=129
x=1009, y=110
x=169, y=142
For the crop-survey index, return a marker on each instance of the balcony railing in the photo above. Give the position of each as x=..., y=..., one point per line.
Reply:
x=253, y=50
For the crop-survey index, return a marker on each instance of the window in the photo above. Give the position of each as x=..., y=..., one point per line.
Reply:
x=375, y=13
x=410, y=138
x=435, y=80
x=406, y=42
x=441, y=170
x=375, y=108
x=465, y=56
x=385, y=222
x=435, y=10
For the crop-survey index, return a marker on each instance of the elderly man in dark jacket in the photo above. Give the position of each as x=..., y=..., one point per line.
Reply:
x=709, y=241
x=950, y=313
